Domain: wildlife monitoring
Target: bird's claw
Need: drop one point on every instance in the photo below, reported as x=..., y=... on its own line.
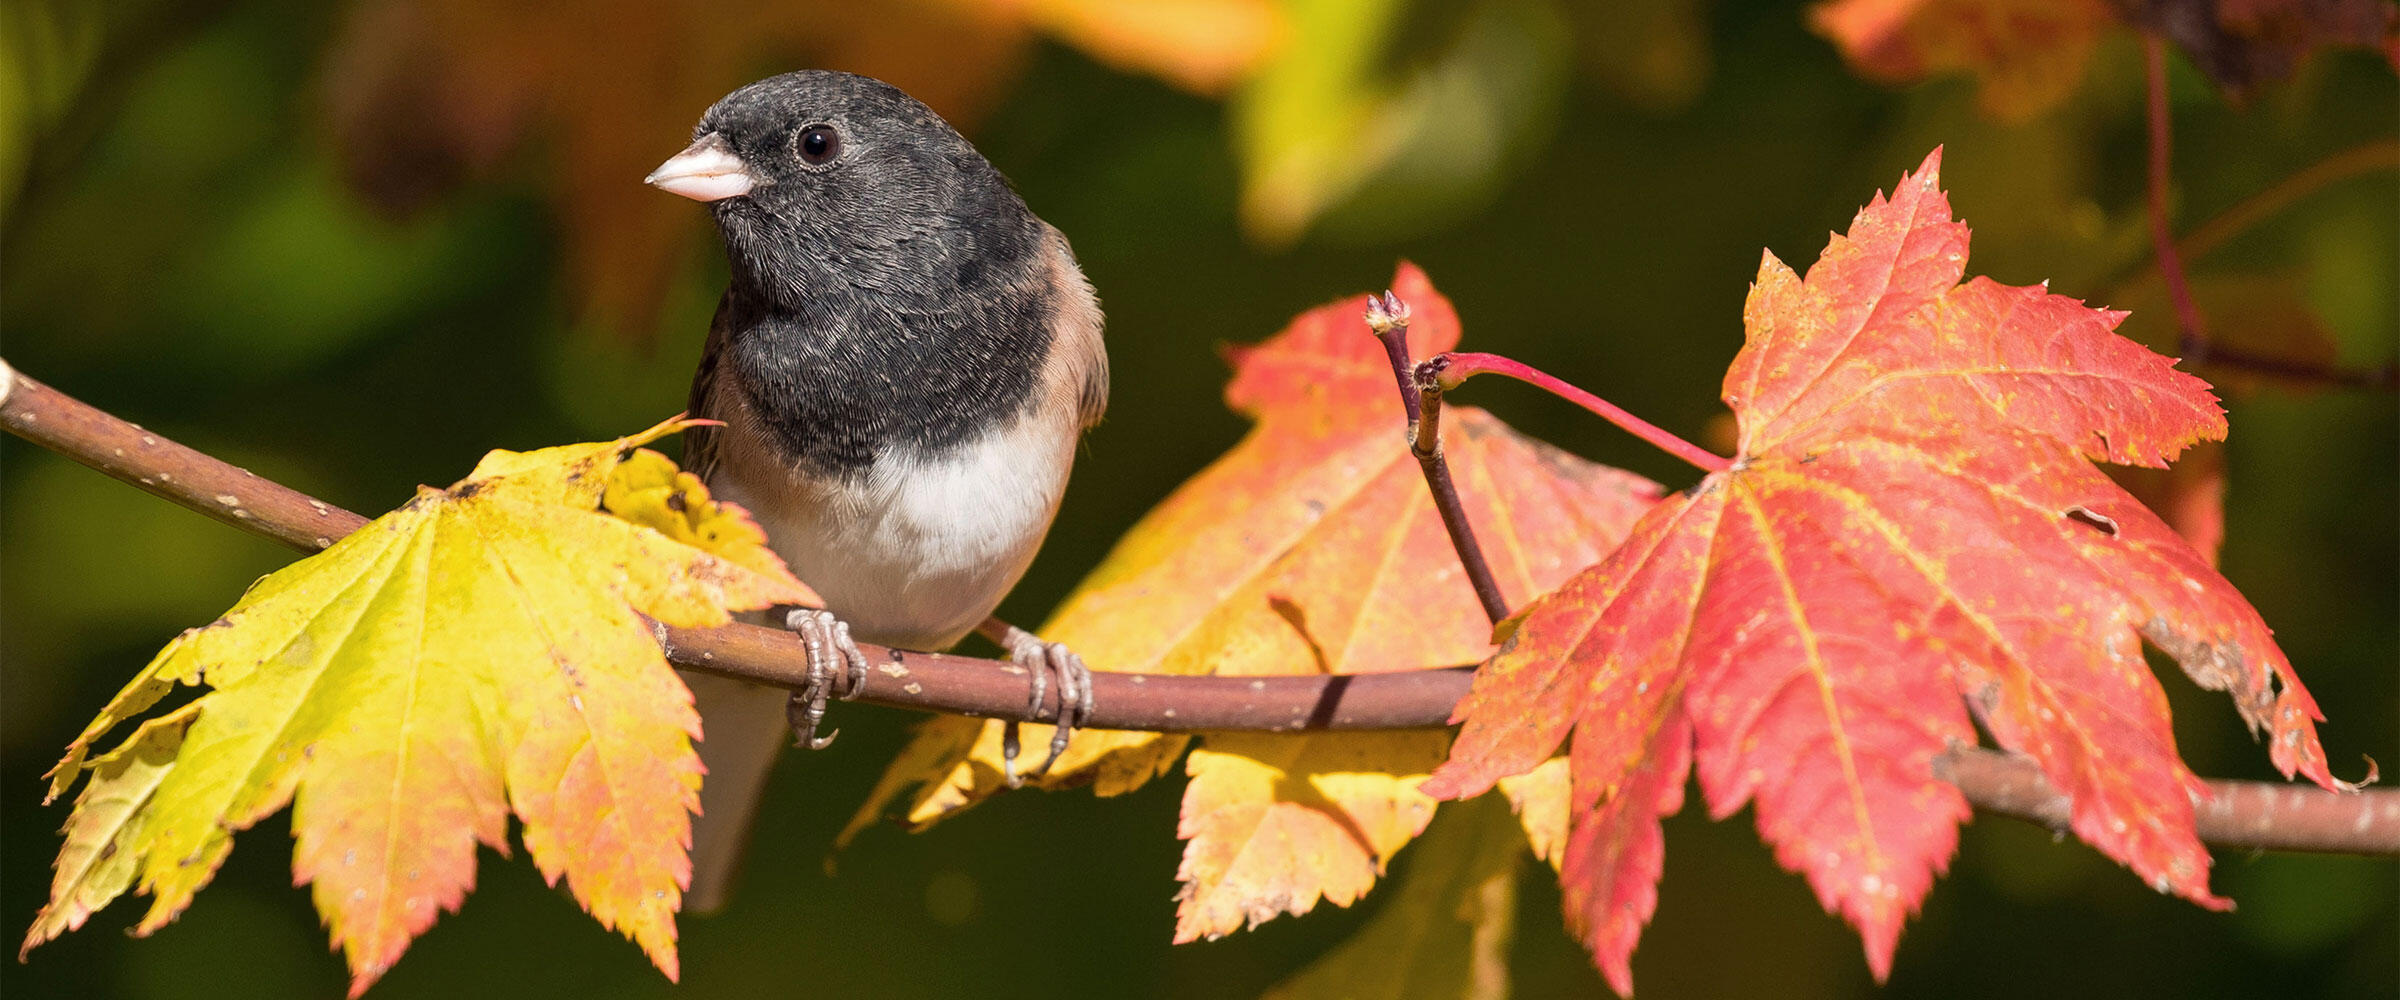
x=827, y=641
x=1042, y=660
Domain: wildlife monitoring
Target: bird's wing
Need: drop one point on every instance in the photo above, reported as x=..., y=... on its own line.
x=744, y=723
x=700, y=443
x=1076, y=338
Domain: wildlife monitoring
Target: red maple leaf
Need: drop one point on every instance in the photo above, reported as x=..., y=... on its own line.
x=1912, y=531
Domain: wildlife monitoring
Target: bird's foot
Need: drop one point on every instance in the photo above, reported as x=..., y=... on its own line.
x=830, y=650
x=1043, y=660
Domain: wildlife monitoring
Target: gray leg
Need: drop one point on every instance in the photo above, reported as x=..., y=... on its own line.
x=1041, y=660
x=829, y=646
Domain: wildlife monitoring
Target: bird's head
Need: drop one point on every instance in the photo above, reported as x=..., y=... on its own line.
x=819, y=178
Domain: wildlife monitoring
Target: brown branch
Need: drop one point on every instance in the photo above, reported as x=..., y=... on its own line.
x=959, y=685
x=2238, y=813
x=2370, y=157
x=2270, y=815
x=126, y=452
x=1387, y=317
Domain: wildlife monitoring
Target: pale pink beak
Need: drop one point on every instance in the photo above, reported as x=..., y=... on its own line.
x=706, y=170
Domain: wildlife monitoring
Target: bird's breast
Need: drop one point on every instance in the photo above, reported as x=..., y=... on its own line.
x=917, y=548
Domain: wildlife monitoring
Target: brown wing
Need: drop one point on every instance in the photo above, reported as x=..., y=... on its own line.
x=700, y=443
x=1076, y=341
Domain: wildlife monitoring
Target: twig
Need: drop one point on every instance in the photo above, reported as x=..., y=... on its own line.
x=1388, y=318
x=2222, y=356
x=2192, y=336
x=2193, y=327
x=2167, y=261
x=2238, y=813
x=2366, y=158
x=1446, y=371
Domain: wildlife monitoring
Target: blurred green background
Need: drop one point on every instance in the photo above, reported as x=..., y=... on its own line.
x=353, y=246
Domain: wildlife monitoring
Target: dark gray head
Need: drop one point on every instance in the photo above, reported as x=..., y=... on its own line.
x=823, y=182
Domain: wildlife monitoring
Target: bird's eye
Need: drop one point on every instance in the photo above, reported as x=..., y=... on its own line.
x=819, y=144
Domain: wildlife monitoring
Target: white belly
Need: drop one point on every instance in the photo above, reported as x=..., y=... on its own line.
x=917, y=551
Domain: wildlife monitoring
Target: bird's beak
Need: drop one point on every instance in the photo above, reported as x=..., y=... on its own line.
x=706, y=170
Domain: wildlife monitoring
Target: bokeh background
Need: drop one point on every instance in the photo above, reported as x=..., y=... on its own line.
x=352, y=246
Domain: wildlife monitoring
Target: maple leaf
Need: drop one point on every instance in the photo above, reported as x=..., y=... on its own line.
x=2028, y=55
x=482, y=651
x=2031, y=54
x=1311, y=547
x=1443, y=931
x=1912, y=530
x=1540, y=798
x=1272, y=824
x=2256, y=316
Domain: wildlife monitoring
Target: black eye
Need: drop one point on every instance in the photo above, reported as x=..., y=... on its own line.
x=819, y=144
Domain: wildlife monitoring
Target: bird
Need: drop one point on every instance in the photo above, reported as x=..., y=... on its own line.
x=902, y=366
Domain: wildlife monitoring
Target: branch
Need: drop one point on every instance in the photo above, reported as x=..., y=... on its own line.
x=958, y=685
x=2193, y=341
x=2248, y=814
x=2161, y=177
x=2269, y=815
x=2373, y=156
x=1388, y=318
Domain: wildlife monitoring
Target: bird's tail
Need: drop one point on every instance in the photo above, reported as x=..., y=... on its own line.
x=743, y=729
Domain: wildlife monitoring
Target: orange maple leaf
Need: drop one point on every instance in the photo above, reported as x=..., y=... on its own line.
x=1912, y=531
x=1311, y=547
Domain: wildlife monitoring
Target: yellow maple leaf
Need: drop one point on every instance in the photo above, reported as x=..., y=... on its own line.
x=483, y=650
x=1443, y=931
x=1540, y=798
x=1274, y=823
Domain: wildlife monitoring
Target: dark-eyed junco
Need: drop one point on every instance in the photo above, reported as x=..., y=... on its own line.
x=904, y=364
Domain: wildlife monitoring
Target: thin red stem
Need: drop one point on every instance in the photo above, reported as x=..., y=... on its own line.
x=1455, y=368
x=2382, y=154
x=2194, y=341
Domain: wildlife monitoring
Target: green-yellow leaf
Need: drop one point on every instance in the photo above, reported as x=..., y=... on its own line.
x=1329, y=130
x=482, y=651
x=96, y=864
